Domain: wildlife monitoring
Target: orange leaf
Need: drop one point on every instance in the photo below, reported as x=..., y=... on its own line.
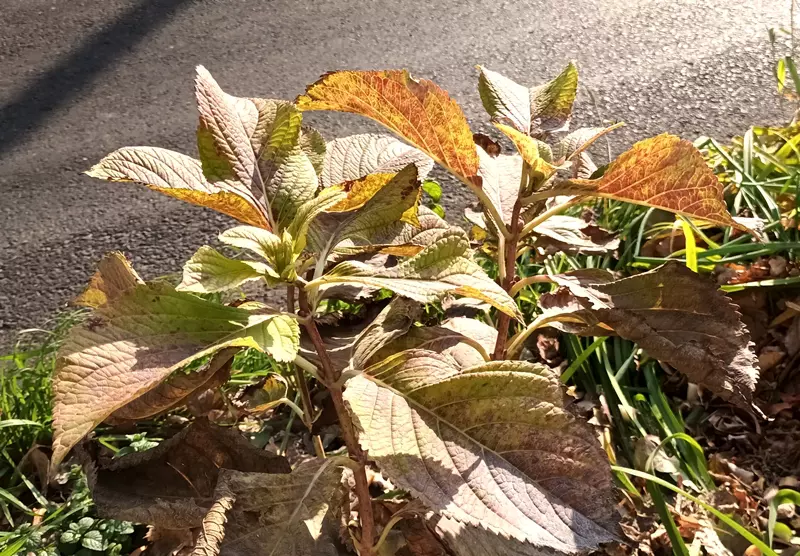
x=417, y=110
x=665, y=172
x=528, y=147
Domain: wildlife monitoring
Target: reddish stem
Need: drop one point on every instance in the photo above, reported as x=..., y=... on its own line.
x=330, y=377
x=504, y=321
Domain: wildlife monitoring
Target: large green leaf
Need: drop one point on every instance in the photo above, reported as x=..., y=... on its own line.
x=210, y=271
x=441, y=268
x=545, y=108
x=488, y=446
x=675, y=315
x=136, y=340
x=180, y=176
x=267, y=514
x=356, y=156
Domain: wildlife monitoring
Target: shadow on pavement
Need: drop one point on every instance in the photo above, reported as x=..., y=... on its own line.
x=70, y=75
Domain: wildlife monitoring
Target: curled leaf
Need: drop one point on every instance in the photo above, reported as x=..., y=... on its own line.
x=574, y=235
x=210, y=271
x=677, y=317
x=173, y=484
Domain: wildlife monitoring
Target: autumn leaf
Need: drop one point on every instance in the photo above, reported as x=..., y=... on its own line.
x=490, y=447
x=441, y=268
x=140, y=337
x=417, y=110
x=173, y=485
x=533, y=152
x=269, y=514
x=114, y=276
x=177, y=390
x=664, y=172
x=677, y=317
x=546, y=108
x=571, y=235
x=393, y=321
x=180, y=176
x=351, y=158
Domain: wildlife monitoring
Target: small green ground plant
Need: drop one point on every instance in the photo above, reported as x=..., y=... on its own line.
x=445, y=408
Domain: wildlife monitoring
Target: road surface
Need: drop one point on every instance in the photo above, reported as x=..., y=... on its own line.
x=80, y=78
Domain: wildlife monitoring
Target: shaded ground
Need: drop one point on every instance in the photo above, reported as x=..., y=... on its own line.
x=81, y=78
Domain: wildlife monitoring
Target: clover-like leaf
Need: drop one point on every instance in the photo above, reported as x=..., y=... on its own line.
x=545, y=108
x=441, y=268
x=488, y=446
x=417, y=110
x=180, y=176
x=173, y=485
x=134, y=342
x=665, y=172
x=356, y=156
x=210, y=271
x=265, y=514
x=677, y=317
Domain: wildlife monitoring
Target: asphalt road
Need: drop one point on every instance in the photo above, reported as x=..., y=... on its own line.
x=79, y=78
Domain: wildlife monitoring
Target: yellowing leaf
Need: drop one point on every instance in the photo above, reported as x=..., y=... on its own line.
x=176, y=390
x=210, y=271
x=309, y=211
x=114, y=276
x=179, y=176
x=361, y=190
x=551, y=103
x=396, y=199
x=441, y=268
x=677, y=317
x=134, y=342
x=356, y=156
x=528, y=147
x=663, y=172
x=417, y=110
x=542, y=109
x=488, y=446
x=279, y=252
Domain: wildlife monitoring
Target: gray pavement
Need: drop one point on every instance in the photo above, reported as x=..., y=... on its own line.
x=79, y=78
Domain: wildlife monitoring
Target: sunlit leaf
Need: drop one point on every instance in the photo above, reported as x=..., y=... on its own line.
x=488, y=446
x=278, y=251
x=529, y=148
x=180, y=176
x=417, y=110
x=308, y=211
x=665, y=172
x=545, y=108
x=393, y=321
x=210, y=271
x=356, y=156
x=501, y=182
x=579, y=140
x=176, y=390
x=442, y=268
x=173, y=485
x=264, y=514
x=114, y=276
x=388, y=201
x=265, y=395
x=677, y=317
x=574, y=235
x=134, y=342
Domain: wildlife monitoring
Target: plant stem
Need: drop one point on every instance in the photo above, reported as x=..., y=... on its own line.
x=330, y=377
x=509, y=257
